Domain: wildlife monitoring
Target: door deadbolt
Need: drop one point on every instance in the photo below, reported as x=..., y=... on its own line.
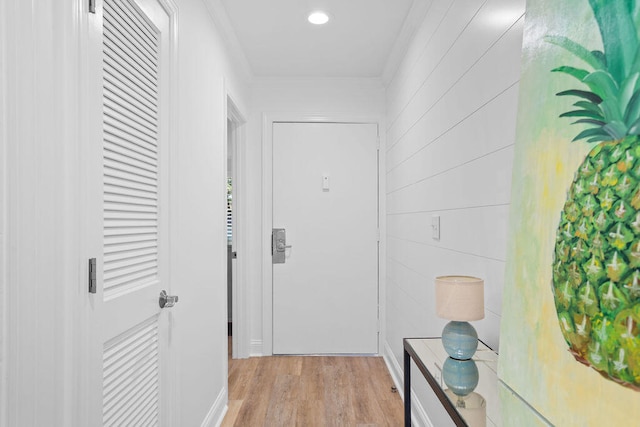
x=279, y=245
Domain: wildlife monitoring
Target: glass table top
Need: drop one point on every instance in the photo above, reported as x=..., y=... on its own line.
x=489, y=402
x=479, y=405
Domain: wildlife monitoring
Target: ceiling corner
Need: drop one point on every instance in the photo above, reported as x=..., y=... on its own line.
x=412, y=22
x=220, y=19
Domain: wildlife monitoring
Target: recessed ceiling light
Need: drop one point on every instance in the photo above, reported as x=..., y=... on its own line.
x=318, y=18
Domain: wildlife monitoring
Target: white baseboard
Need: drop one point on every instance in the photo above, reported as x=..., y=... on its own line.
x=218, y=410
x=419, y=417
x=255, y=349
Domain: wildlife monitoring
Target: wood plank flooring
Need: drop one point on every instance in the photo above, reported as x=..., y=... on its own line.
x=310, y=391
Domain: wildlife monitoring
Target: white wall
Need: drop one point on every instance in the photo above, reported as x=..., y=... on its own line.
x=46, y=294
x=40, y=129
x=199, y=202
x=336, y=97
x=451, y=109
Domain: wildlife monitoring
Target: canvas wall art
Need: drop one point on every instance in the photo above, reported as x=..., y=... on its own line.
x=570, y=342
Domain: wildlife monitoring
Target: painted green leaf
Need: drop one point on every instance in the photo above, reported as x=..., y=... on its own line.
x=632, y=112
x=599, y=55
x=632, y=7
x=634, y=129
x=589, y=122
x=635, y=67
x=611, y=110
x=616, y=129
x=619, y=36
x=581, y=94
x=578, y=50
x=596, y=135
x=627, y=90
x=602, y=84
x=589, y=106
x=572, y=71
x=582, y=113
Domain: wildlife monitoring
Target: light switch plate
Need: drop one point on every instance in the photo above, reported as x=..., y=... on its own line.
x=435, y=227
x=325, y=182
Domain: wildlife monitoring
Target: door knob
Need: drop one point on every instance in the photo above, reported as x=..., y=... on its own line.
x=167, y=300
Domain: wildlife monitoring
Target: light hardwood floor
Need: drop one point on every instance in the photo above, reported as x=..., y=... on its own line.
x=311, y=391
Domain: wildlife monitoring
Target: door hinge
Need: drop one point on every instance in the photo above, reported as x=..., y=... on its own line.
x=92, y=6
x=92, y=276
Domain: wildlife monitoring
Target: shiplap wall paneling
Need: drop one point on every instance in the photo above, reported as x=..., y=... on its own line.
x=451, y=116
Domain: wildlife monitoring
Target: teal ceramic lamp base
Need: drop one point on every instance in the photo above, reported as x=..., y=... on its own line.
x=461, y=376
x=460, y=340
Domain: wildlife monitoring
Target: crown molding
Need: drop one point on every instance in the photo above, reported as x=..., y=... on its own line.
x=219, y=16
x=412, y=22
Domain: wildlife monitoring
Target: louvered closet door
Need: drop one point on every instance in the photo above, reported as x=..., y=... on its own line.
x=135, y=222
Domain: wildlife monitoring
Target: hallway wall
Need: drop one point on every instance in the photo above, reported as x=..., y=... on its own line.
x=199, y=239
x=451, y=116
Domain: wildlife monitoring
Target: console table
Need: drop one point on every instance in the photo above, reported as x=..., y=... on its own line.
x=429, y=356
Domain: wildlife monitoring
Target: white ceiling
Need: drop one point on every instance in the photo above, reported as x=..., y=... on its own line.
x=278, y=41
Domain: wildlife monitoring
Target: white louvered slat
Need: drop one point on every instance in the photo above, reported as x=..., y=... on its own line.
x=130, y=374
x=135, y=69
x=118, y=181
x=134, y=38
x=121, y=77
x=130, y=109
x=124, y=171
x=131, y=204
x=128, y=125
x=129, y=42
x=118, y=19
x=131, y=103
x=142, y=24
x=118, y=207
x=128, y=175
x=130, y=147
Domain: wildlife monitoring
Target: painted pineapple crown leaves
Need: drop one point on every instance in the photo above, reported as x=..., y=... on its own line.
x=611, y=106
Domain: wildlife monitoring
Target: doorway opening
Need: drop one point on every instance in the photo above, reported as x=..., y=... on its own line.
x=234, y=232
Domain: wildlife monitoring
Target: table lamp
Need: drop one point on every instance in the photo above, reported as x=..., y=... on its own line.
x=460, y=299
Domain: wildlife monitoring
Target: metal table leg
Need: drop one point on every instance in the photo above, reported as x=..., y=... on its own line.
x=407, y=389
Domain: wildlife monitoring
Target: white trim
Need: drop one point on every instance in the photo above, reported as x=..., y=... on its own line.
x=217, y=411
x=410, y=26
x=382, y=234
x=221, y=21
x=4, y=25
x=255, y=349
x=419, y=416
x=268, y=118
x=88, y=401
x=171, y=365
x=240, y=314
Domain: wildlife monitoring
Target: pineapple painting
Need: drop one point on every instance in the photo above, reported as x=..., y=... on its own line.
x=596, y=265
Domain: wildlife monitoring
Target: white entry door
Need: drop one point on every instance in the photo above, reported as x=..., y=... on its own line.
x=135, y=261
x=325, y=195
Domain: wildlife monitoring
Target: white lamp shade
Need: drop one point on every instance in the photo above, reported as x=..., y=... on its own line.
x=460, y=298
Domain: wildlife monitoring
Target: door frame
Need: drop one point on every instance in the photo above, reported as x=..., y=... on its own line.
x=268, y=119
x=3, y=217
x=240, y=349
